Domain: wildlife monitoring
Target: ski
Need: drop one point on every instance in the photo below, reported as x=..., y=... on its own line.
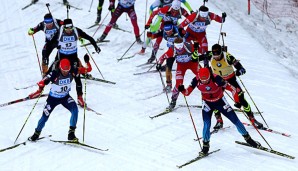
x=162, y=113
x=118, y=28
x=28, y=5
x=144, y=64
x=268, y=130
x=148, y=72
x=79, y=144
x=25, y=87
x=96, y=24
x=91, y=110
x=98, y=79
x=71, y=6
x=97, y=41
x=267, y=150
x=214, y=131
x=23, y=143
x=128, y=57
x=155, y=95
x=197, y=158
x=200, y=106
x=20, y=100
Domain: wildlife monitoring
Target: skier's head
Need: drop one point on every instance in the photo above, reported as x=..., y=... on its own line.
x=68, y=26
x=48, y=20
x=203, y=11
x=179, y=45
x=64, y=66
x=176, y=4
x=204, y=75
x=216, y=51
x=168, y=28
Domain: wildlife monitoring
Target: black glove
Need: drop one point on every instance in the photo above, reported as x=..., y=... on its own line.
x=147, y=26
x=223, y=16
x=237, y=105
x=240, y=71
x=181, y=32
x=158, y=67
x=97, y=49
x=196, y=45
x=86, y=58
x=181, y=88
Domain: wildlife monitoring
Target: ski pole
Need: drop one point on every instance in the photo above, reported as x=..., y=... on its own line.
x=94, y=62
x=251, y=123
x=84, y=120
x=220, y=30
x=47, y=4
x=28, y=116
x=90, y=6
x=100, y=24
x=253, y=101
x=37, y=55
x=67, y=10
x=194, y=126
x=205, y=1
x=145, y=17
x=162, y=82
x=129, y=48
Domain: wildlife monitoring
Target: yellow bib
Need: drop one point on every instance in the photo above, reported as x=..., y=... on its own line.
x=222, y=67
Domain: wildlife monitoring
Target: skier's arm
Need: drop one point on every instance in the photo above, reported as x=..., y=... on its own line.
x=84, y=35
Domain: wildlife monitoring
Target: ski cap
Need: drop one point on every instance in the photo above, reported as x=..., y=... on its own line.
x=68, y=23
x=176, y=5
x=179, y=45
x=203, y=11
x=204, y=75
x=64, y=65
x=48, y=18
x=216, y=50
x=168, y=27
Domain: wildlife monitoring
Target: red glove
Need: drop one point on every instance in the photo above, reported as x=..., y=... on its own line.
x=41, y=84
x=35, y=94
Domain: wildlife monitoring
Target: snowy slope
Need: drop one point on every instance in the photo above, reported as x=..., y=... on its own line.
x=135, y=141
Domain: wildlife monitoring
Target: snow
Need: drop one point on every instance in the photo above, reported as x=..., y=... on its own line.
x=136, y=142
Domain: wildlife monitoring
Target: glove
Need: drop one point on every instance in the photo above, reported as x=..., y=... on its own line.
x=196, y=45
x=97, y=49
x=147, y=26
x=158, y=67
x=111, y=7
x=223, y=16
x=41, y=84
x=35, y=94
x=30, y=31
x=181, y=88
x=195, y=56
x=237, y=105
x=86, y=58
x=181, y=32
x=240, y=71
x=82, y=41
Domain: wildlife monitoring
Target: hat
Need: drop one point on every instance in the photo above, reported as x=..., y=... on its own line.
x=48, y=18
x=68, y=23
x=64, y=65
x=204, y=74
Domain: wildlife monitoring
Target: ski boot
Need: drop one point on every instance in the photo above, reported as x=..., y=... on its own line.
x=251, y=142
x=34, y=1
x=98, y=19
x=115, y=26
x=255, y=122
x=139, y=41
x=102, y=37
x=152, y=58
x=35, y=136
x=219, y=124
x=205, y=149
x=171, y=106
x=65, y=2
x=71, y=134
